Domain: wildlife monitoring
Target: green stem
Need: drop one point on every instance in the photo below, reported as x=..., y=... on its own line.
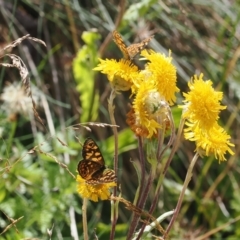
x=172, y=137
x=11, y=136
x=180, y=199
x=175, y=145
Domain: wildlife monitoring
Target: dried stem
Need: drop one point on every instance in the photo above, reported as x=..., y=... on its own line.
x=164, y=164
x=142, y=193
x=180, y=199
x=115, y=133
x=155, y=200
x=142, y=165
x=142, y=201
x=84, y=218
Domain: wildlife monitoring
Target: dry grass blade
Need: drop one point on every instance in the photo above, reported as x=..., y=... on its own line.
x=138, y=211
x=19, y=40
x=97, y=124
x=217, y=229
x=37, y=149
x=37, y=40
x=13, y=222
x=20, y=65
x=49, y=231
x=64, y=144
x=102, y=124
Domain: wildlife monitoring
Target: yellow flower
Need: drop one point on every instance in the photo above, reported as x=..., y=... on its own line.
x=211, y=141
x=120, y=74
x=202, y=103
x=163, y=73
x=149, y=109
x=137, y=129
x=94, y=192
x=201, y=110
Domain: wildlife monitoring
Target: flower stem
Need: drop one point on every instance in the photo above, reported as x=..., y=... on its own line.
x=84, y=218
x=142, y=200
x=143, y=192
x=143, y=168
x=180, y=199
x=115, y=133
x=155, y=199
x=165, y=164
x=170, y=142
x=175, y=145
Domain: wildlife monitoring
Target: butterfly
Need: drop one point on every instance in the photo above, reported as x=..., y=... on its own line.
x=132, y=50
x=92, y=167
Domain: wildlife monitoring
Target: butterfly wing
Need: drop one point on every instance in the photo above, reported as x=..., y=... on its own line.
x=134, y=49
x=105, y=176
x=87, y=169
x=117, y=38
x=92, y=167
x=92, y=152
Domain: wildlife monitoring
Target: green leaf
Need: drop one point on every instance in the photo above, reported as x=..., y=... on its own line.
x=126, y=141
x=83, y=64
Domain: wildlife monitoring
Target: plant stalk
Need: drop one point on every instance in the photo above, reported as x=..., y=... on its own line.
x=180, y=199
x=115, y=134
x=84, y=218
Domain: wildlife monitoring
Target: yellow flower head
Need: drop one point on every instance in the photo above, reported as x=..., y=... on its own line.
x=201, y=110
x=211, y=141
x=163, y=73
x=120, y=74
x=137, y=129
x=94, y=192
x=149, y=109
x=202, y=103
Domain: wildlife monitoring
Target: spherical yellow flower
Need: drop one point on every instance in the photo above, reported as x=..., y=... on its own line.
x=149, y=108
x=120, y=74
x=143, y=76
x=202, y=103
x=94, y=192
x=201, y=111
x=163, y=74
x=211, y=141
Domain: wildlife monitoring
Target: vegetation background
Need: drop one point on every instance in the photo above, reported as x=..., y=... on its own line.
x=203, y=37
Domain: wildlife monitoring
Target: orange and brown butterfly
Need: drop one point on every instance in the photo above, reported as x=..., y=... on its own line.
x=132, y=50
x=92, y=167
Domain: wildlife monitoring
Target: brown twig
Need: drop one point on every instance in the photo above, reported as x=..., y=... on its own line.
x=115, y=133
x=117, y=22
x=13, y=222
x=139, y=212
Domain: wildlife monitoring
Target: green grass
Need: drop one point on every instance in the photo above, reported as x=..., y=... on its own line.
x=202, y=36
